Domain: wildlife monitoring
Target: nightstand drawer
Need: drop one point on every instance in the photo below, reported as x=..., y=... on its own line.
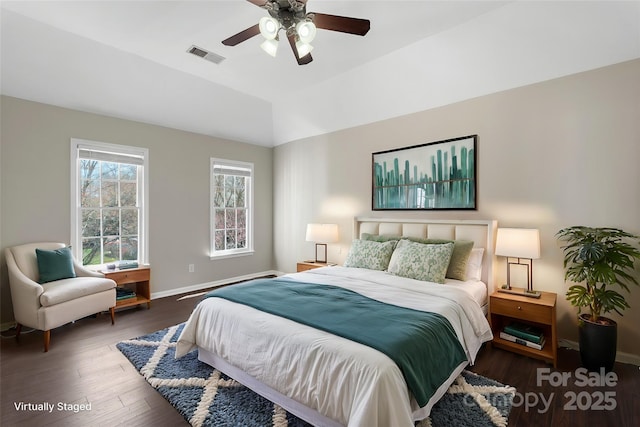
x=310, y=265
x=132, y=276
x=521, y=310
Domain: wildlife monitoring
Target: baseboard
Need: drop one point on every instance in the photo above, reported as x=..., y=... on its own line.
x=621, y=356
x=215, y=284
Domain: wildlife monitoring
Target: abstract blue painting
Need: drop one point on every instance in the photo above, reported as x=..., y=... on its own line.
x=436, y=175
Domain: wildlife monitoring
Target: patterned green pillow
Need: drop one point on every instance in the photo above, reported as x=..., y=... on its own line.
x=369, y=254
x=421, y=261
x=459, y=258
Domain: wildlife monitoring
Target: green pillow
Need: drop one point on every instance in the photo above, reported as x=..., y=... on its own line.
x=370, y=254
x=55, y=265
x=379, y=237
x=461, y=250
x=426, y=262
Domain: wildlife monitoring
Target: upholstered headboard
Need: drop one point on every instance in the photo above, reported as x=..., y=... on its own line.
x=482, y=232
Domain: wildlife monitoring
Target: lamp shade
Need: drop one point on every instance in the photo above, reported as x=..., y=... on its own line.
x=322, y=233
x=269, y=27
x=306, y=31
x=303, y=48
x=270, y=46
x=518, y=243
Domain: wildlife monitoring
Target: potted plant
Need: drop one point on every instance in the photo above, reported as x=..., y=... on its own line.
x=598, y=261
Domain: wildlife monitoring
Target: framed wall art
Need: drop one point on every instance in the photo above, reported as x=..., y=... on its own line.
x=432, y=176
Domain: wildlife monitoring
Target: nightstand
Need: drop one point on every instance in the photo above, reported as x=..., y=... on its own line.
x=540, y=312
x=137, y=279
x=310, y=265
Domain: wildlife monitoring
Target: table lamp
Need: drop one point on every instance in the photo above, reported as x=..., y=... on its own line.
x=522, y=244
x=322, y=234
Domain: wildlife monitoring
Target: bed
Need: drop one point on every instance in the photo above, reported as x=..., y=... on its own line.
x=336, y=379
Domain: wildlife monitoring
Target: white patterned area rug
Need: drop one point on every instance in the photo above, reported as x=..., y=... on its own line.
x=206, y=397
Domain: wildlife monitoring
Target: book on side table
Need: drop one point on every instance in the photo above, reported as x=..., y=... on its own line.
x=525, y=331
x=508, y=337
x=123, y=293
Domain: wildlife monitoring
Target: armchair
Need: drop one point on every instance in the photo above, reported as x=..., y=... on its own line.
x=49, y=305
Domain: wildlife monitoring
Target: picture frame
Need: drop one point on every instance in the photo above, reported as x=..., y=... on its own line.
x=440, y=175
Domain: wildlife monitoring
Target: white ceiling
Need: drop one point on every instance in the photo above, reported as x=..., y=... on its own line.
x=128, y=59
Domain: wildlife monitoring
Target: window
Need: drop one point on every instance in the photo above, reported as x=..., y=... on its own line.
x=109, y=199
x=231, y=208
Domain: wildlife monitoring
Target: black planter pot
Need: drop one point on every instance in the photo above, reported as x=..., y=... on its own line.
x=598, y=343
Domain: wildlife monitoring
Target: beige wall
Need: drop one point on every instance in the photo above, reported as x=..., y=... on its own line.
x=559, y=153
x=36, y=189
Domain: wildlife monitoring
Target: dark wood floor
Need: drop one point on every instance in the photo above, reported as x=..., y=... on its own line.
x=572, y=402
x=84, y=366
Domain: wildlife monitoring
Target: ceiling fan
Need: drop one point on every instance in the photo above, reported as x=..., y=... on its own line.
x=300, y=27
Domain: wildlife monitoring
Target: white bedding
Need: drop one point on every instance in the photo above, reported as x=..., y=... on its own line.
x=348, y=382
x=476, y=289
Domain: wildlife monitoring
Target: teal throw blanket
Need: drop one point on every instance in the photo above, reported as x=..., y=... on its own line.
x=423, y=345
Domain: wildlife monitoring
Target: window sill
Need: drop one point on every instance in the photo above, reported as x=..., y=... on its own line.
x=230, y=255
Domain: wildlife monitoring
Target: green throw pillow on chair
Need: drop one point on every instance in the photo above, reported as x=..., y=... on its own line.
x=55, y=265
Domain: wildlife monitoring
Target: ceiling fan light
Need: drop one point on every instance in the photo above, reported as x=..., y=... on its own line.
x=269, y=27
x=303, y=48
x=306, y=31
x=270, y=46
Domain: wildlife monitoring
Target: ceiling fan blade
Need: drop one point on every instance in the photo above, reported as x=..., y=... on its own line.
x=343, y=24
x=259, y=3
x=301, y=61
x=242, y=36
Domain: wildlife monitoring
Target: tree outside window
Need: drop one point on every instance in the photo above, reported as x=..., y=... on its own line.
x=108, y=202
x=108, y=220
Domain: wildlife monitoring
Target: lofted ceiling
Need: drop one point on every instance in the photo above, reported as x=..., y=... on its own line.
x=129, y=59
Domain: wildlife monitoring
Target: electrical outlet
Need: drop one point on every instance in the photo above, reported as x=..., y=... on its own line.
x=192, y=268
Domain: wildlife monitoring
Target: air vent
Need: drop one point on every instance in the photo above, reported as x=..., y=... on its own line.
x=205, y=54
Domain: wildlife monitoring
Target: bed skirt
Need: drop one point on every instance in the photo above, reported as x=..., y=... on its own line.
x=296, y=408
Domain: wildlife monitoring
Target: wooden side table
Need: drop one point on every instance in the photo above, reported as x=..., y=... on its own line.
x=310, y=265
x=138, y=279
x=505, y=308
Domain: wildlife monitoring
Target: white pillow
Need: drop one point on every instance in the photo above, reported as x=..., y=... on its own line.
x=474, y=264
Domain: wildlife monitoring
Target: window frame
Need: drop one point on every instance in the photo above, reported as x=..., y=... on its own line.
x=143, y=195
x=249, y=197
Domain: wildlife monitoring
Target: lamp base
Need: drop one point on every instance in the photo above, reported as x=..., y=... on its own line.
x=520, y=291
x=321, y=256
